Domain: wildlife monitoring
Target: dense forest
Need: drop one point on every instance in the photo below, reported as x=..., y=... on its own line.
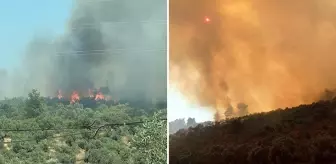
x=34, y=131
x=305, y=134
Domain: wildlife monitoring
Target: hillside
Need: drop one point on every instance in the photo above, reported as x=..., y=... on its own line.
x=34, y=131
x=299, y=135
x=178, y=124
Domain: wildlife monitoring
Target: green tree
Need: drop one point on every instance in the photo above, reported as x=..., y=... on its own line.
x=34, y=105
x=111, y=145
x=150, y=141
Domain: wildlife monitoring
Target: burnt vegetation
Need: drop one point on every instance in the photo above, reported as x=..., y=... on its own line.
x=298, y=135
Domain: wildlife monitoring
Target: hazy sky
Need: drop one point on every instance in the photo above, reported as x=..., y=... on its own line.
x=21, y=19
x=180, y=107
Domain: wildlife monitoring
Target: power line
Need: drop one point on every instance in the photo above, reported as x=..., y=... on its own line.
x=79, y=128
x=126, y=22
x=101, y=52
x=104, y=52
x=75, y=134
x=121, y=124
x=49, y=129
x=29, y=140
x=31, y=130
x=114, y=50
x=113, y=23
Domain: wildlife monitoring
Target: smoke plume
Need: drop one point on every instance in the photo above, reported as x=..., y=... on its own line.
x=116, y=44
x=265, y=53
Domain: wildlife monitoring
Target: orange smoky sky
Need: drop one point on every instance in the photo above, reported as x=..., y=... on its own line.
x=267, y=54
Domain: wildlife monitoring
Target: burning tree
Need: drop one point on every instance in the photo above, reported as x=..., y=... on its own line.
x=74, y=97
x=93, y=94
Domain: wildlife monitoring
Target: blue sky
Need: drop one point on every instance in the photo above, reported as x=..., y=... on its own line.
x=22, y=19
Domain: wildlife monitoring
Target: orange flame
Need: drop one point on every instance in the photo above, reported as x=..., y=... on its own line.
x=74, y=97
x=99, y=96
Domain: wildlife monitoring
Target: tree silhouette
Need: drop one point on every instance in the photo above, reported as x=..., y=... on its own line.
x=191, y=122
x=229, y=112
x=242, y=109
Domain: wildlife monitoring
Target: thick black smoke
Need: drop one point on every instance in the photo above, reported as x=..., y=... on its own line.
x=116, y=44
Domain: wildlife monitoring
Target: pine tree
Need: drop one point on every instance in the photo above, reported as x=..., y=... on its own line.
x=242, y=109
x=191, y=122
x=229, y=112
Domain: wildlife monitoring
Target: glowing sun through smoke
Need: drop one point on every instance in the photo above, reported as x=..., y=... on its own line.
x=207, y=20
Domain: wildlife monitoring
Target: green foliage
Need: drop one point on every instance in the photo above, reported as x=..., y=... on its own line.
x=111, y=145
x=34, y=104
x=151, y=139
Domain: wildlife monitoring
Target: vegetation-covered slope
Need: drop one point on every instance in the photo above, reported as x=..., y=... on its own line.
x=303, y=134
x=177, y=124
x=69, y=135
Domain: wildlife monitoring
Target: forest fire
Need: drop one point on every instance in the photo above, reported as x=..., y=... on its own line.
x=267, y=54
x=75, y=96
x=93, y=98
x=99, y=96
